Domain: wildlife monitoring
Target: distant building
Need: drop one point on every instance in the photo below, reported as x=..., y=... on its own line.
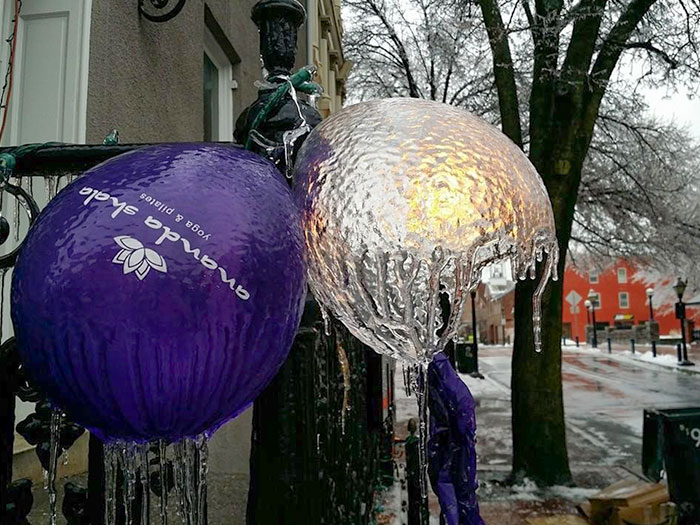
x=620, y=298
x=494, y=308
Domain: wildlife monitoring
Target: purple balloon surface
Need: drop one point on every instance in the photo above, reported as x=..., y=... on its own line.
x=155, y=297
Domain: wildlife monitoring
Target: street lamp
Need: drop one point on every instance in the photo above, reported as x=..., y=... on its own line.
x=679, y=288
x=650, y=294
x=592, y=296
x=587, y=304
x=475, y=345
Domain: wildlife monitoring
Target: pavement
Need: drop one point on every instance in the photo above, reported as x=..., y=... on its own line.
x=604, y=399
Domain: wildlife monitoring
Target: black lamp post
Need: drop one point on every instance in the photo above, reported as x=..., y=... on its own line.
x=587, y=304
x=592, y=297
x=650, y=294
x=679, y=288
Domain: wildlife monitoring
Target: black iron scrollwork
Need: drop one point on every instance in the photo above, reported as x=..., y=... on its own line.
x=36, y=429
x=161, y=10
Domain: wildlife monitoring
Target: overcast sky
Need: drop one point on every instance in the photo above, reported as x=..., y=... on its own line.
x=676, y=106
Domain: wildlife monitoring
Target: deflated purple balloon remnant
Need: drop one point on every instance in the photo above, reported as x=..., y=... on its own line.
x=452, y=444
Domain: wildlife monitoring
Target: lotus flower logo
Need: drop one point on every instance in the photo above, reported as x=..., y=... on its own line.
x=134, y=257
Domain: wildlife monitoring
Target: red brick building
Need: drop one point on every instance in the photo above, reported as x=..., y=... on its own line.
x=621, y=296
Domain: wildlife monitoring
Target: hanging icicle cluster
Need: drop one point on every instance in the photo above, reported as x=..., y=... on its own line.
x=129, y=468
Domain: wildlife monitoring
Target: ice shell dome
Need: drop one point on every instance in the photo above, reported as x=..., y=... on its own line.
x=390, y=183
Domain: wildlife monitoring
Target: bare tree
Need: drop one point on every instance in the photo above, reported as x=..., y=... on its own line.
x=558, y=73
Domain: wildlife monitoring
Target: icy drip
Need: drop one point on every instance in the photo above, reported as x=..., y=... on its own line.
x=326, y=321
x=54, y=450
x=419, y=384
x=406, y=370
x=50, y=185
x=202, y=471
x=163, y=469
x=144, y=472
x=15, y=211
x=111, y=468
x=529, y=266
x=191, y=467
x=3, y=273
x=179, y=479
x=345, y=370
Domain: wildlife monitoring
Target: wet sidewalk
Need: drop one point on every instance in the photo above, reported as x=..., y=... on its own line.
x=604, y=401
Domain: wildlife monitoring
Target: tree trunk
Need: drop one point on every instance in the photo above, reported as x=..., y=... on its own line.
x=539, y=431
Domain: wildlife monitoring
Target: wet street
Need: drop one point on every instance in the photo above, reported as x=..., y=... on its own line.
x=604, y=400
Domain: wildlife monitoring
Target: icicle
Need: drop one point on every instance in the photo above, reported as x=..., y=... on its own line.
x=50, y=184
x=421, y=389
x=178, y=464
x=202, y=457
x=163, y=464
x=128, y=458
x=111, y=467
x=190, y=489
x=3, y=272
x=345, y=370
x=15, y=211
x=406, y=379
x=537, y=303
x=145, y=485
x=326, y=321
x=54, y=450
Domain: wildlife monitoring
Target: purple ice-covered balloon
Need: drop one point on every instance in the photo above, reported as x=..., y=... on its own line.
x=156, y=296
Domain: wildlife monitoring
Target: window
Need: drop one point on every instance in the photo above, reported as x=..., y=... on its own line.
x=218, y=100
x=622, y=275
x=595, y=300
x=593, y=276
x=623, y=300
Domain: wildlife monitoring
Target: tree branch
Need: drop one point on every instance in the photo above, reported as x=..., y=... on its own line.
x=503, y=71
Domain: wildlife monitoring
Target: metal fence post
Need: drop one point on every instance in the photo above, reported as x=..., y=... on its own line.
x=653, y=348
x=632, y=343
x=609, y=345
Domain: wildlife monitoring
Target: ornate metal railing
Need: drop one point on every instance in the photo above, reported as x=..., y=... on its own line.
x=36, y=178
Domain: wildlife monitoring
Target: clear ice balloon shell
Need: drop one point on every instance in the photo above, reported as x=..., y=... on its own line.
x=403, y=199
x=156, y=296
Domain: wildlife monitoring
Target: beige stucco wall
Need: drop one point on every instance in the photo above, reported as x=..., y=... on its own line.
x=145, y=79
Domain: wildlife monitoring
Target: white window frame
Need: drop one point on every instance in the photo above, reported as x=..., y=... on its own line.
x=223, y=126
x=598, y=300
x=622, y=275
x=593, y=277
x=626, y=295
